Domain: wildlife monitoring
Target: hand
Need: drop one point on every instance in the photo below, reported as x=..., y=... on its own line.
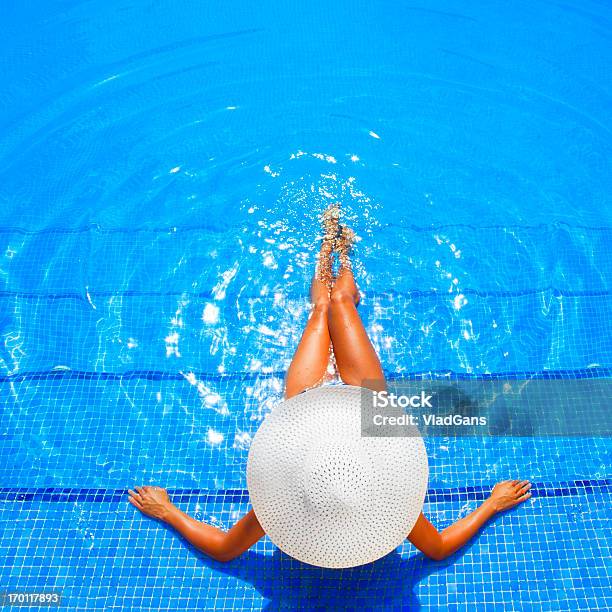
x=508, y=494
x=152, y=501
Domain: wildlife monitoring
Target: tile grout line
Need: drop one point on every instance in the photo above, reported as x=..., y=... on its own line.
x=65, y=494
x=409, y=293
x=434, y=375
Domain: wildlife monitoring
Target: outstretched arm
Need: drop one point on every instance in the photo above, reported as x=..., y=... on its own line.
x=439, y=545
x=220, y=545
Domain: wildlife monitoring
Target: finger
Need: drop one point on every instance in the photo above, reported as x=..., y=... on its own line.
x=134, y=503
x=523, y=489
x=133, y=494
x=141, y=490
x=522, y=498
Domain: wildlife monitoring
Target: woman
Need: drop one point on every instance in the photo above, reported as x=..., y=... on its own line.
x=334, y=335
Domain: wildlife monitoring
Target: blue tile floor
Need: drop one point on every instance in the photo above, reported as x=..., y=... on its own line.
x=552, y=553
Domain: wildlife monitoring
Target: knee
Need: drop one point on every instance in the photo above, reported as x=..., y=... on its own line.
x=320, y=307
x=341, y=298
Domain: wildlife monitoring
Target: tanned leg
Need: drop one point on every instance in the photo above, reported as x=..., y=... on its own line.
x=309, y=365
x=356, y=359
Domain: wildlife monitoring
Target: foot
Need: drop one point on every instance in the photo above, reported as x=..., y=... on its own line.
x=329, y=221
x=344, y=246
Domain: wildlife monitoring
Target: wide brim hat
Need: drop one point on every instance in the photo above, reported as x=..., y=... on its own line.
x=326, y=494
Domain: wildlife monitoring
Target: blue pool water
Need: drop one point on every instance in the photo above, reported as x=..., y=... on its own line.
x=163, y=166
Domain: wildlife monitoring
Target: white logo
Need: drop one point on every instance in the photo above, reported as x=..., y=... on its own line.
x=383, y=399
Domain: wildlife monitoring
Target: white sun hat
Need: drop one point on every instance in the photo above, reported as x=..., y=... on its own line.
x=324, y=493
